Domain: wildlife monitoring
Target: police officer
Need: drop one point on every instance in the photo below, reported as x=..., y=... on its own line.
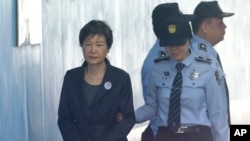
x=209, y=30
x=160, y=13
x=200, y=112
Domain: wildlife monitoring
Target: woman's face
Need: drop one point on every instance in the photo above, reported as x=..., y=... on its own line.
x=178, y=53
x=95, y=49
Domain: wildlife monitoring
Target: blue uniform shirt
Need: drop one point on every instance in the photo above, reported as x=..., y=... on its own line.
x=203, y=47
x=146, y=67
x=148, y=64
x=202, y=99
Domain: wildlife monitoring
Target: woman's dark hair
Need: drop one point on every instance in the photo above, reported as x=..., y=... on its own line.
x=96, y=27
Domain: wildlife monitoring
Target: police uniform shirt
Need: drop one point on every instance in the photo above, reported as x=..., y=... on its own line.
x=148, y=64
x=201, y=46
x=146, y=67
x=202, y=98
x=204, y=48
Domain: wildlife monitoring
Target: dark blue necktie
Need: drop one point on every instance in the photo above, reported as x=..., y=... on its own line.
x=227, y=92
x=175, y=96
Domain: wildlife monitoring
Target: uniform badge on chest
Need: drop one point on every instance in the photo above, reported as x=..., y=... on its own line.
x=194, y=74
x=166, y=75
x=218, y=77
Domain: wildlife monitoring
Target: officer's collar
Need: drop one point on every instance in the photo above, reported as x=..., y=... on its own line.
x=201, y=40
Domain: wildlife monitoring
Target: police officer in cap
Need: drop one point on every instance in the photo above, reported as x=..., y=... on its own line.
x=209, y=30
x=160, y=13
x=185, y=92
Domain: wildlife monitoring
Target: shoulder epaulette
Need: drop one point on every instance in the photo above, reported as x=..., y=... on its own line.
x=162, y=56
x=202, y=47
x=203, y=59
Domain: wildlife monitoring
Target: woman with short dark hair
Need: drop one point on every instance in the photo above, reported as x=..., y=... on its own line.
x=92, y=95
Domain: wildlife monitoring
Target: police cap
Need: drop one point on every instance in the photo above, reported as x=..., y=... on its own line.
x=174, y=32
x=164, y=11
x=209, y=9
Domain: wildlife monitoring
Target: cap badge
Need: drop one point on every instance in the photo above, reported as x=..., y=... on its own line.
x=172, y=28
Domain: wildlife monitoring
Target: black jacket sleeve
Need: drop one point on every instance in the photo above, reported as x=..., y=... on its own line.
x=122, y=129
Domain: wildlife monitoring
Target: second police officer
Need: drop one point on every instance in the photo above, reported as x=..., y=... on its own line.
x=186, y=92
x=209, y=30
